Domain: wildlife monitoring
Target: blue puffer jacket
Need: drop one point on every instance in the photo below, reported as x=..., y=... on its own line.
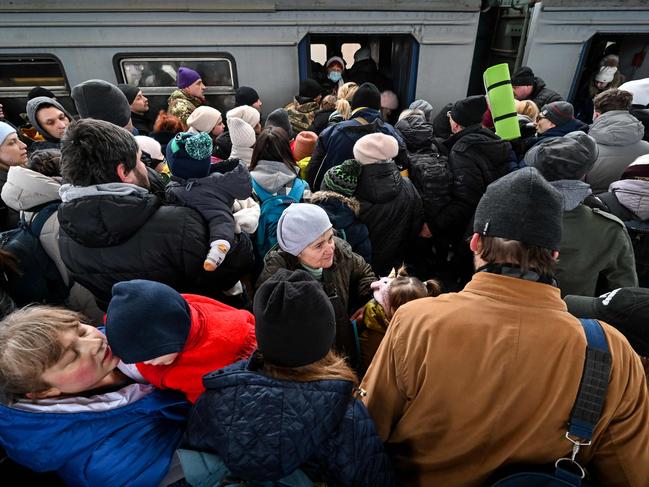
x=130, y=445
x=336, y=143
x=265, y=428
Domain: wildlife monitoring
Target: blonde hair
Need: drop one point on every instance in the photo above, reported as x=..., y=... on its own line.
x=29, y=344
x=405, y=288
x=345, y=94
x=331, y=367
x=528, y=108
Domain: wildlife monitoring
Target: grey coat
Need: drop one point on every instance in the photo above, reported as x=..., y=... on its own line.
x=619, y=139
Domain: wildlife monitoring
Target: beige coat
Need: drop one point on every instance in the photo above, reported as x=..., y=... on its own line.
x=26, y=189
x=467, y=382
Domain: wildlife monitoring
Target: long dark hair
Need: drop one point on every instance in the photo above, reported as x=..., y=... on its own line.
x=273, y=145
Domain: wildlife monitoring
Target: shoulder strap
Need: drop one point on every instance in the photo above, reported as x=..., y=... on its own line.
x=594, y=383
x=297, y=190
x=261, y=192
x=41, y=217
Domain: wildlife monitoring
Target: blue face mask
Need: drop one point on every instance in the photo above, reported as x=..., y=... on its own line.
x=335, y=76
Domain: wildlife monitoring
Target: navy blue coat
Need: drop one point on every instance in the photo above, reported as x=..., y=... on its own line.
x=336, y=143
x=264, y=428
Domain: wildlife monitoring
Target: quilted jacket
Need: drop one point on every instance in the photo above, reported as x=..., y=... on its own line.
x=265, y=428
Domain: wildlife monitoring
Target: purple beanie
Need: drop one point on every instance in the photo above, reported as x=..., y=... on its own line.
x=187, y=77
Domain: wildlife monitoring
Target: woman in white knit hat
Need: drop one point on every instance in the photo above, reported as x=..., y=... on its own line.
x=606, y=76
x=306, y=241
x=243, y=126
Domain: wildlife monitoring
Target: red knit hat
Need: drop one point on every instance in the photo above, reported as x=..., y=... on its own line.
x=304, y=144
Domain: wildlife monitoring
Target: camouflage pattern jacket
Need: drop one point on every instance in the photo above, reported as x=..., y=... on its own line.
x=181, y=105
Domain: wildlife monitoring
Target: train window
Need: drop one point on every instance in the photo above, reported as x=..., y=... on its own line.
x=348, y=50
x=319, y=53
x=18, y=73
x=158, y=72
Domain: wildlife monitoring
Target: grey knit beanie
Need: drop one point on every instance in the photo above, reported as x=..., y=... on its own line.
x=567, y=157
x=521, y=206
x=300, y=225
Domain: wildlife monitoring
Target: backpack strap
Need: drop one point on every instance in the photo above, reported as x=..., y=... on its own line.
x=594, y=383
x=589, y=403
x=261, y=192
x=38, y=221
x=297, y=190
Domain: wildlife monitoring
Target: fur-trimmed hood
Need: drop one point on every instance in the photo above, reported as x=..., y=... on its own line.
x=323, y=196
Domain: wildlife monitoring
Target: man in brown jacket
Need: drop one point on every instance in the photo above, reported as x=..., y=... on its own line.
x=467, y=383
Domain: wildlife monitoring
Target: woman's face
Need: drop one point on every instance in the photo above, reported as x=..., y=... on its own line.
x=601, y=85
x=320, y=254
x=85, y=364
x=13, y=152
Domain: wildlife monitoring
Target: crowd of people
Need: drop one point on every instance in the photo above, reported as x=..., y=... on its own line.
x=339, y=293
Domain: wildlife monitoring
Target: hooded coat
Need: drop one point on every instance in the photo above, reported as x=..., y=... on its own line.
x=477, y=157
x=26, y=190
x=619, y=139
x=343, y=214
x=33, y=106
x=265, y=428
x=558, y=131
x=275, y=177
x=428, y=171
x=542, y=95
x=596, y=254
x=392, y=210
x=117, y=232
x=301, y=113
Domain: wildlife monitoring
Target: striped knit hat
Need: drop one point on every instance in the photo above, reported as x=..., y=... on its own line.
x=342, y=179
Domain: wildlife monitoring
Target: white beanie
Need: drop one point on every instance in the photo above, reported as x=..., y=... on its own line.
x=241, y=133
x=300, y=225
x=246, y=113
x=150, y=146
x=375, y=147
x=204, y=119
x=5, y=131
x=606, y=74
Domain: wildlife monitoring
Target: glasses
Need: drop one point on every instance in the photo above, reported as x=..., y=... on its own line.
x=539, y=117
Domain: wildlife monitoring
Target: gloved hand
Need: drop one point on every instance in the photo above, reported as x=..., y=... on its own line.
x=216, y=255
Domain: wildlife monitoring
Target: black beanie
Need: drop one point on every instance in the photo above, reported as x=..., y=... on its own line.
x=294, y=319
x=524, y=76
x=279, y=118
x=469, y=111
x=521, y=206
x=367, y=95
x=130, y=92
x=569, y=157
x=37, y=91
x=245, y=96
x=102, y=100
x=310, y=88
x=145, y=320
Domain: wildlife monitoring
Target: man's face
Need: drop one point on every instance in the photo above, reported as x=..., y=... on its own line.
x=53, y=121
x=257, y=105
x=543, y=124
x=522, y=92
x=140, y=104
x=196, y=89
x=138, y=175
x=2, y=113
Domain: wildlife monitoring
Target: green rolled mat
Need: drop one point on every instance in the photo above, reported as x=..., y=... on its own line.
x=498, y=85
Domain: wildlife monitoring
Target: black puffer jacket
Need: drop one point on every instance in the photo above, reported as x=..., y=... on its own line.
x=428, y=170
x=392, y=210
x=105, y=239
x=542, y=95
x=477, y=157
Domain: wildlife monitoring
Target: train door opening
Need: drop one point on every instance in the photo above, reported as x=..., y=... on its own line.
x=626, y=53
x=388, y=61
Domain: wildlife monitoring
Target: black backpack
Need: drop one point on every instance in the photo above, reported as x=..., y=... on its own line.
x=38, y=280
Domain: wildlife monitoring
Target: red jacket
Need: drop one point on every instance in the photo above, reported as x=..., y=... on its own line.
x=219, y=335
